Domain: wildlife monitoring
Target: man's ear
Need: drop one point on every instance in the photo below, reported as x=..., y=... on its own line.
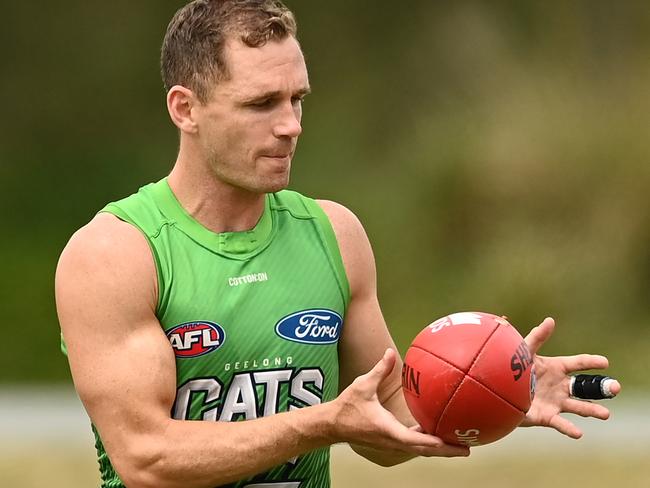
x=180, y=102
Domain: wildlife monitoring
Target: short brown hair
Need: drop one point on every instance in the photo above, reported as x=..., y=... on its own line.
x=192, y=53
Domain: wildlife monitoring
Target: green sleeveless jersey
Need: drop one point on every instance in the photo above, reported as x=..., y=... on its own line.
x=253, y=317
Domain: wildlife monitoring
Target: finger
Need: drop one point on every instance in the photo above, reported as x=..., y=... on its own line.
x=444, y=450
x=540, y=334
x=586, y=409
x=614, y=387
x=428, y=445
x=565, y=427
x=582, y=362
x=593, y=387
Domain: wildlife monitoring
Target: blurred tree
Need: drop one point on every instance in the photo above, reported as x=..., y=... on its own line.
x=497, y=153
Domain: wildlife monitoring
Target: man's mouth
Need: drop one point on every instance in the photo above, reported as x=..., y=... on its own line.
x=278, y=155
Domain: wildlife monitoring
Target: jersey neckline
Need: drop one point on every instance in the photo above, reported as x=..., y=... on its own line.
x=239, y=245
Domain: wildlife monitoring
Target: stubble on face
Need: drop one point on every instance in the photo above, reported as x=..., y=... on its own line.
x=250, y=126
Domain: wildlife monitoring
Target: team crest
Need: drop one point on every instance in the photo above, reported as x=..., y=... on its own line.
x=193, y=339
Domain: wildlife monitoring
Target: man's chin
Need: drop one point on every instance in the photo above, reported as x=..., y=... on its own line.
x=276, y=180
x=277, y=185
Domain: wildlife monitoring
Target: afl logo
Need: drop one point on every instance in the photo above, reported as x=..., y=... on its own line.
x=193, y=339
x=317, y=326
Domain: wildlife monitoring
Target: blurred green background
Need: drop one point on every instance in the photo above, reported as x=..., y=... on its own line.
x=497, y=152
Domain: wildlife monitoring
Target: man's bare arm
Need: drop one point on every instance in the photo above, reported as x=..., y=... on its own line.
x=365, y=335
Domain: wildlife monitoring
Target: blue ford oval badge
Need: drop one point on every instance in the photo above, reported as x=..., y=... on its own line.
x=315, y=326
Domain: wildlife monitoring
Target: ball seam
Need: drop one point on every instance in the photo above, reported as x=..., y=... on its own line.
x=444, y=411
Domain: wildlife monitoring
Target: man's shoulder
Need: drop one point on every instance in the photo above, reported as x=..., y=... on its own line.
x=106, y=237
x=354, y=246
x=339, y=215
x=106, y=253
x=344, y=222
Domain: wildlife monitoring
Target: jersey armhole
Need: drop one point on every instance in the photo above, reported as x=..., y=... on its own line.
x=332, y=244
x=118, y=212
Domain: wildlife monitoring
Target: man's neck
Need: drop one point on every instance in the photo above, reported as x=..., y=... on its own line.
x=216, y=205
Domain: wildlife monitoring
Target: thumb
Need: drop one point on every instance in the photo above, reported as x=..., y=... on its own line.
x=382, y=369
x=539, y=335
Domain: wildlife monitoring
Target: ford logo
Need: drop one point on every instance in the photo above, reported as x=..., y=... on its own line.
x=316, y=326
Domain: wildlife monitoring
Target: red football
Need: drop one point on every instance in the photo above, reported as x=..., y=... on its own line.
x=468, y=378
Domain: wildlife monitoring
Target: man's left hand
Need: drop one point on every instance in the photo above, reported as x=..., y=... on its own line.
x=552, y=390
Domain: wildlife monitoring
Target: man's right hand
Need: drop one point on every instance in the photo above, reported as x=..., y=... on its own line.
x=363, y=421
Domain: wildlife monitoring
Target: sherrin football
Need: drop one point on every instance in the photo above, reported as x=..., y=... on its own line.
x=468, y=378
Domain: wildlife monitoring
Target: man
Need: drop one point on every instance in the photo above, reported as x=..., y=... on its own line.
x=214, y=295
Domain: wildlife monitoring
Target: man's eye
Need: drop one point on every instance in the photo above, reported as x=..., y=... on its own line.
x=267, y=102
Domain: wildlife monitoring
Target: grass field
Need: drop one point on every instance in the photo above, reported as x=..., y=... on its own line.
x=52, y=447
x=517, y=470
x=47, y=466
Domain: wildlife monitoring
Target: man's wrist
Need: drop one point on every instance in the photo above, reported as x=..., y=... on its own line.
x=328, y=420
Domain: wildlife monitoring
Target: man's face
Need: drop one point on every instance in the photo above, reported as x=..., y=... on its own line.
x=249, y=128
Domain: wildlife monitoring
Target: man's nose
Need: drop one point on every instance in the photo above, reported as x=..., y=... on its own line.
x=288, y=122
